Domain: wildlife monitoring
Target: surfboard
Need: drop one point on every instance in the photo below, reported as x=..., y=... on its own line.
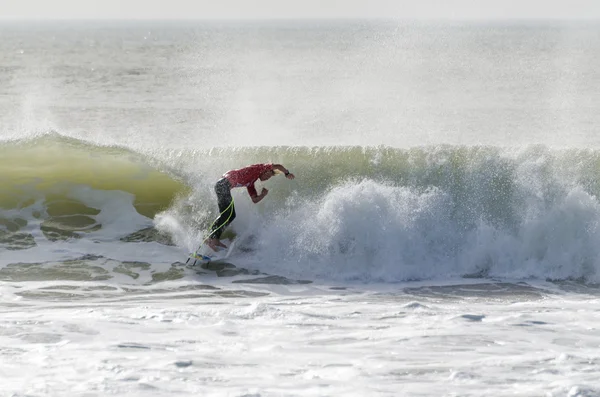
x=204, y=254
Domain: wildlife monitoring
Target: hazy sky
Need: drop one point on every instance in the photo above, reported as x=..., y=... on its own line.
x=234, y=9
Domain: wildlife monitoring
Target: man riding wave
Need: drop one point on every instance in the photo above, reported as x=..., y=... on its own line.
x=243, y=177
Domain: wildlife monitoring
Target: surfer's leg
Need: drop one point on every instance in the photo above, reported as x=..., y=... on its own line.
x=226, y=208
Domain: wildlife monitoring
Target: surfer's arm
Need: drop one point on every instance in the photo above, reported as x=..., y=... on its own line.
x=285, y=171
x=254, y=195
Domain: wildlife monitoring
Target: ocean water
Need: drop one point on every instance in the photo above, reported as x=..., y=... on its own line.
x=441, y=237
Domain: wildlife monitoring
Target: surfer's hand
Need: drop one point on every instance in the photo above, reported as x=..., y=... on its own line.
x=264, y=192
x=290, y=176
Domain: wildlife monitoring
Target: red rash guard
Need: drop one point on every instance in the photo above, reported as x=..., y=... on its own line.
x=245, y=177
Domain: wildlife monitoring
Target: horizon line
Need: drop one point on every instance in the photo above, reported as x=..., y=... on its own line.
x=313, y=18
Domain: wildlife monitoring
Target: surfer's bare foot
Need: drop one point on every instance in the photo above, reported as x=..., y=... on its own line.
x=213, y=243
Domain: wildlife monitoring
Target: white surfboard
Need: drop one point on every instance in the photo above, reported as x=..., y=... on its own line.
x=205, y=254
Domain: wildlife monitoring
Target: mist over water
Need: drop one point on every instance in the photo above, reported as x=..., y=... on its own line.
x=203, y=84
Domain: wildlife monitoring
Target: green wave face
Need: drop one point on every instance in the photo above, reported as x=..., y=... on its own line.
x=38, y=178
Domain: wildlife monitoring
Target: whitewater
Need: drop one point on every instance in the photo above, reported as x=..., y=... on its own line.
x=441, y=237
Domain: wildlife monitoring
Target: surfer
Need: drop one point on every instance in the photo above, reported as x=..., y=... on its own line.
x=243, y=177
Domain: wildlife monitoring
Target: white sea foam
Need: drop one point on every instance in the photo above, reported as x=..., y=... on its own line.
x=348, y=343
